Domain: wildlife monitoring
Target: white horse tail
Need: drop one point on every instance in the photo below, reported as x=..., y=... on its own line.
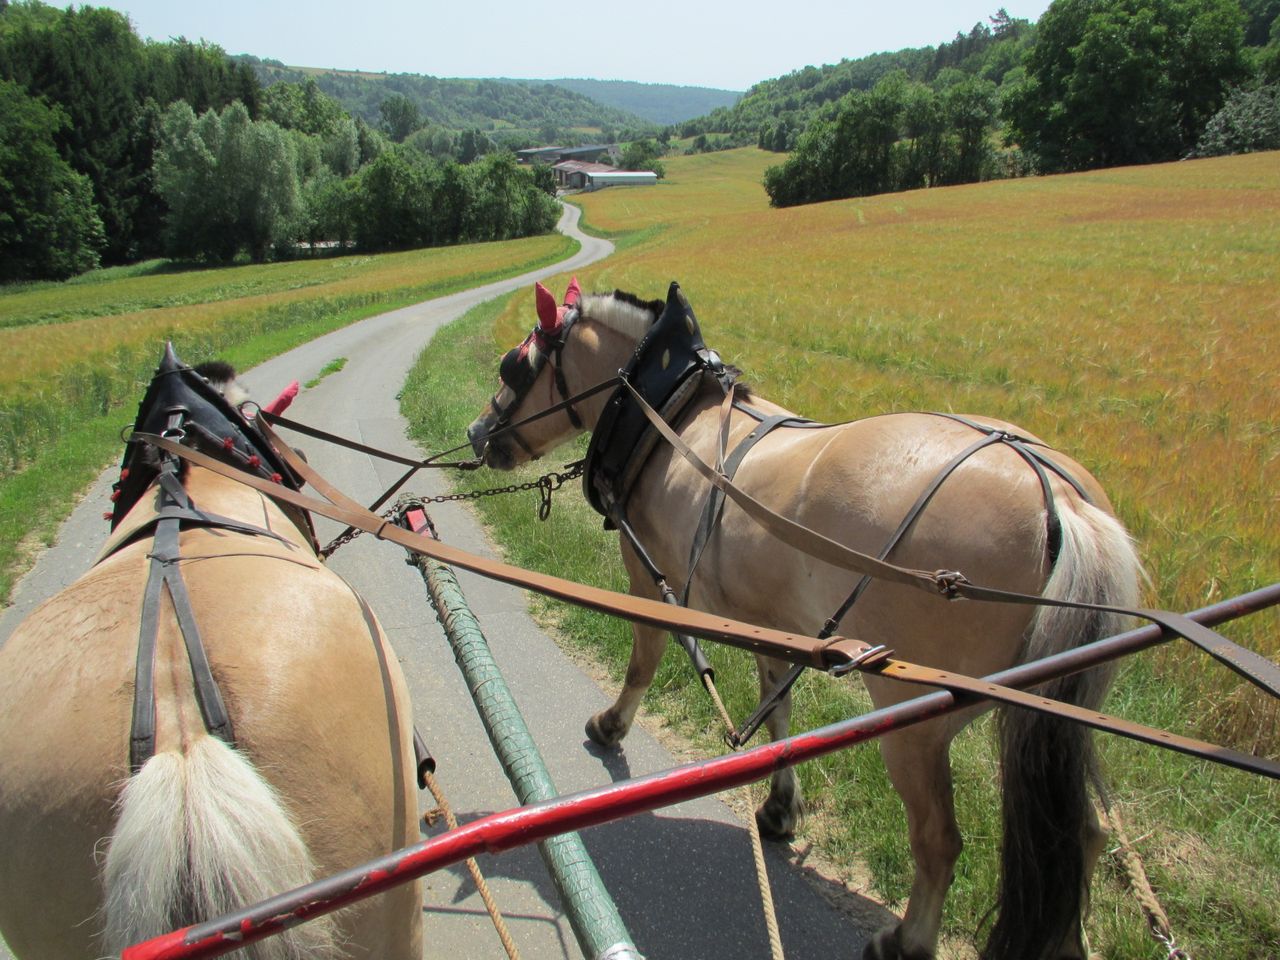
x=1046, y=761
x=200, y=835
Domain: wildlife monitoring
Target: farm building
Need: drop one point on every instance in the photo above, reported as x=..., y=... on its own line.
x=572, y=174
x=621, y=178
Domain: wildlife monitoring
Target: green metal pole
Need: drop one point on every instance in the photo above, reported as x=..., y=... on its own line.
x=592, y=913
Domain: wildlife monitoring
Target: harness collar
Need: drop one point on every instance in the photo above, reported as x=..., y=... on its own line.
x=662, y=370
x=179, y=399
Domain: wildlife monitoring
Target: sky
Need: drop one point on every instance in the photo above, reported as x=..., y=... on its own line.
x=727, y=44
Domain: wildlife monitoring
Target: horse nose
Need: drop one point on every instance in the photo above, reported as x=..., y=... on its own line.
x=479, y=438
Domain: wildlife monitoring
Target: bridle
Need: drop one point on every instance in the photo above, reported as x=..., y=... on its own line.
x=519, y=370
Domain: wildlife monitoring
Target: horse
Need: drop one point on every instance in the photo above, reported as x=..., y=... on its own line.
x=207, y=717
x=914, y=486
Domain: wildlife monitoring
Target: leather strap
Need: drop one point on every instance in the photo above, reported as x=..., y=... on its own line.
x=830, y=654
x=166, y=574
x=1250, y=665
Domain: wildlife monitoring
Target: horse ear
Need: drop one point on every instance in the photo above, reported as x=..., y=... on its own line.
x=573, y=294
x=547, y=314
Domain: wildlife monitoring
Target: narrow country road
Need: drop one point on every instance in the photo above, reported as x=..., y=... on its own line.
x=682, y=877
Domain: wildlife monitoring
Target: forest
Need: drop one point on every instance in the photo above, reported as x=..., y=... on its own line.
x=115, y=150
x=1094, y=83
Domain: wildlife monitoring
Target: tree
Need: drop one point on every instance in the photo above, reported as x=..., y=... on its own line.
x=1113, y=82
x=231, y=183
x=49, y=229
x=1249, y=121
x=642, y=155
x=472, y=145
x=400, y=117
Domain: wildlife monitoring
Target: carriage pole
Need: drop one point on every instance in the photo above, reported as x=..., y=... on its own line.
x=513, y=828
x=592, y=913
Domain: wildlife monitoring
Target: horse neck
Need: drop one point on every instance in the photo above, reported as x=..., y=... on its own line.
x=599, y=352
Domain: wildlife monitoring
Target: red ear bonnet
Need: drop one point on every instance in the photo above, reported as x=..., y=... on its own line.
x=548, y=315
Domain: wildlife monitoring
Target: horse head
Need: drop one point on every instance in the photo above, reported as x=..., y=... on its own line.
x=576, y=345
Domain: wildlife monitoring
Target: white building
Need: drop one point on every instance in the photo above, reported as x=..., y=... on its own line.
x=597, y=180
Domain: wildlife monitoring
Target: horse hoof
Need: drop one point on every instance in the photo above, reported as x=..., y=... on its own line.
x=772, y=828
x=886, y=945
x=604, y=733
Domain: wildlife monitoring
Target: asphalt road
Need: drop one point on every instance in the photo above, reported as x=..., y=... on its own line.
x=682, y=877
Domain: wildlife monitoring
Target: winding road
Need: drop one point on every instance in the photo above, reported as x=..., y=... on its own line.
x=682, y=877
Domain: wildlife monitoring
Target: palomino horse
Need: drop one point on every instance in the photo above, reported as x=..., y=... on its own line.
x=122, y=816
x=1005, y=516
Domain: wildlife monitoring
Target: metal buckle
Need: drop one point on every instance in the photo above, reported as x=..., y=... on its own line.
x=866, y=660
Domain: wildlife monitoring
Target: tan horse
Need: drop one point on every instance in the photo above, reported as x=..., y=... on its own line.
x=319, y=776
x=856, y=482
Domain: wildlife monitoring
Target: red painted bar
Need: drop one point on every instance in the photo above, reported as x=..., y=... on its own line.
x=524, y=825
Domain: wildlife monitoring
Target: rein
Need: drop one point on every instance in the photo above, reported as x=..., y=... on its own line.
x=837, y=654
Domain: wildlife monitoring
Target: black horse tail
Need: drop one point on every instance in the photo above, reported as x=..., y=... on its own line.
x=1051, y=838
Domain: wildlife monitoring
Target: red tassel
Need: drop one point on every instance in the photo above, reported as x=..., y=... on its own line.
x=108, y=515
x=254, y=461
x=276, y=478
x=115, y=495
x=228, y=443
x=124, y=474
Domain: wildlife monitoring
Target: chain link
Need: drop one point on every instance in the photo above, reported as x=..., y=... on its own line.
x=546, y=485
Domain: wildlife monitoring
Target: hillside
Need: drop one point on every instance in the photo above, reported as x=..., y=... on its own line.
x=536, y=109
x=661, y=103
x=774, y=112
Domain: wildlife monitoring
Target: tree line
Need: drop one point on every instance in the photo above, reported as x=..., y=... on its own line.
x=1094, y=83
x=114, y=150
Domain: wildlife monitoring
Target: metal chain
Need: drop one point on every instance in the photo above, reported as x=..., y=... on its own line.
x=546, y=485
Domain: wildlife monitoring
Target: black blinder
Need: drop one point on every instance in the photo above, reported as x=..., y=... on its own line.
x=517, y=371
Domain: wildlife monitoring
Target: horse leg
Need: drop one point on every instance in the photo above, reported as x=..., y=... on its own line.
x=782, y=810
x=918, y=761
x=608, y=727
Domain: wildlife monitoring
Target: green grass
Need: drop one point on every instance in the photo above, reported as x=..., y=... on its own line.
x=333, y=366
x=1155, y=281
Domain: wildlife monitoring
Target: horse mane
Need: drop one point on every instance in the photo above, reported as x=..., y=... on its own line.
x=633, y=316
x=624, y=312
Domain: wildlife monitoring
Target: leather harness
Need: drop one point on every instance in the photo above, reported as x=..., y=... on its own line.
x=834, y=653
x=175, y=392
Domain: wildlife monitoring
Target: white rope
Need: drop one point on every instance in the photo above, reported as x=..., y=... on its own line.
x=757, y=846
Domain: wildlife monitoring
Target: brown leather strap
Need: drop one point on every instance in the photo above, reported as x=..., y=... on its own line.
x=831, y=654
x=984, y=690
x=778, y=643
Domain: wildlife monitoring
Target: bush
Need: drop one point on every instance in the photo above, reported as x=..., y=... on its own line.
x=1248, y=121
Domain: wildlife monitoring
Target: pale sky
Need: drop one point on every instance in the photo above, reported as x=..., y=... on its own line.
x=720, y=43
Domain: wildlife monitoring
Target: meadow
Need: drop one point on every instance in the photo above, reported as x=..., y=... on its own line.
x=79, y=354
x=1130, y=317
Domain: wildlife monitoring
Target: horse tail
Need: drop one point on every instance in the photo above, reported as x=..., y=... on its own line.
x=1046, y=761
x=199, y=835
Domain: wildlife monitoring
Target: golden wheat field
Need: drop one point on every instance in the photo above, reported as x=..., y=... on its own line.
x=50, y=326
